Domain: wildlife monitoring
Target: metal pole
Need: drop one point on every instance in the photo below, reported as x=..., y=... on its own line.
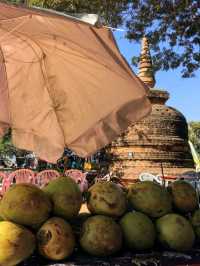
x=162, y=174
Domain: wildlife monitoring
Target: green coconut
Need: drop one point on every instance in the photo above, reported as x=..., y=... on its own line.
x=107, y=198
x=150, y=198
x=195, y=220
x=16, y=243
x=184, y=196
x=101, y=236
x=66, y=197
x=56, y=240
x=175, y=232
x=138, y=230
x=25, y=204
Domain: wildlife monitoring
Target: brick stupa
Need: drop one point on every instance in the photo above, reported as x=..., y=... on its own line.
x=157, y=144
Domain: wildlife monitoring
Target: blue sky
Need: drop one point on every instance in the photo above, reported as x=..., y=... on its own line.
x=184, y=93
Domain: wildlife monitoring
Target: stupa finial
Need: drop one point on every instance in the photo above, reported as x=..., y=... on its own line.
x=145, y=65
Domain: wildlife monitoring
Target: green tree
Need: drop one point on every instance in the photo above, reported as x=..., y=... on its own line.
x=5, y=143
x=7, y=148
x=173, y=30
x=112, y=11
x=194, y=134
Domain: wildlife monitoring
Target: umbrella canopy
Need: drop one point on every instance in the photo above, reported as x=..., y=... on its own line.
x=63, y=83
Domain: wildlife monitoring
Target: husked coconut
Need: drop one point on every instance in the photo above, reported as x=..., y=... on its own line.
x=25, y=204
x=195, y=220
x=150, y=198
x=138, y=230
x=184, y=196
x=101, y=236
x=56, y=240
x=175, y=232
x=66, y=197
x=16, y=243
x=107, y=198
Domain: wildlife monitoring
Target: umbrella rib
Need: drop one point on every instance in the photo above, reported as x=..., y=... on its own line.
x=15, y=28
x=29, y=44
x=41, y=60
x=111, y=52
x=61, y=14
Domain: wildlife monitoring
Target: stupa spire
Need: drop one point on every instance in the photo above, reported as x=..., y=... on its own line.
x=145, y=65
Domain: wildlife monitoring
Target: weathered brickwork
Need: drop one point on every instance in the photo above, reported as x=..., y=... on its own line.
x=161, y=138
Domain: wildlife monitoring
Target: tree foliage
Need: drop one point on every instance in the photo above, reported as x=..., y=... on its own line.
x=173, y=29
x=194, y=135
x=7, y=148
x=5, y=142
x=112, y=11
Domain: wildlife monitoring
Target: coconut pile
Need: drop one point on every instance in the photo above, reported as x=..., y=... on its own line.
x=48, y=221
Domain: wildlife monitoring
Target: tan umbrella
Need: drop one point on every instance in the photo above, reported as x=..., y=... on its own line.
x=63, y=83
